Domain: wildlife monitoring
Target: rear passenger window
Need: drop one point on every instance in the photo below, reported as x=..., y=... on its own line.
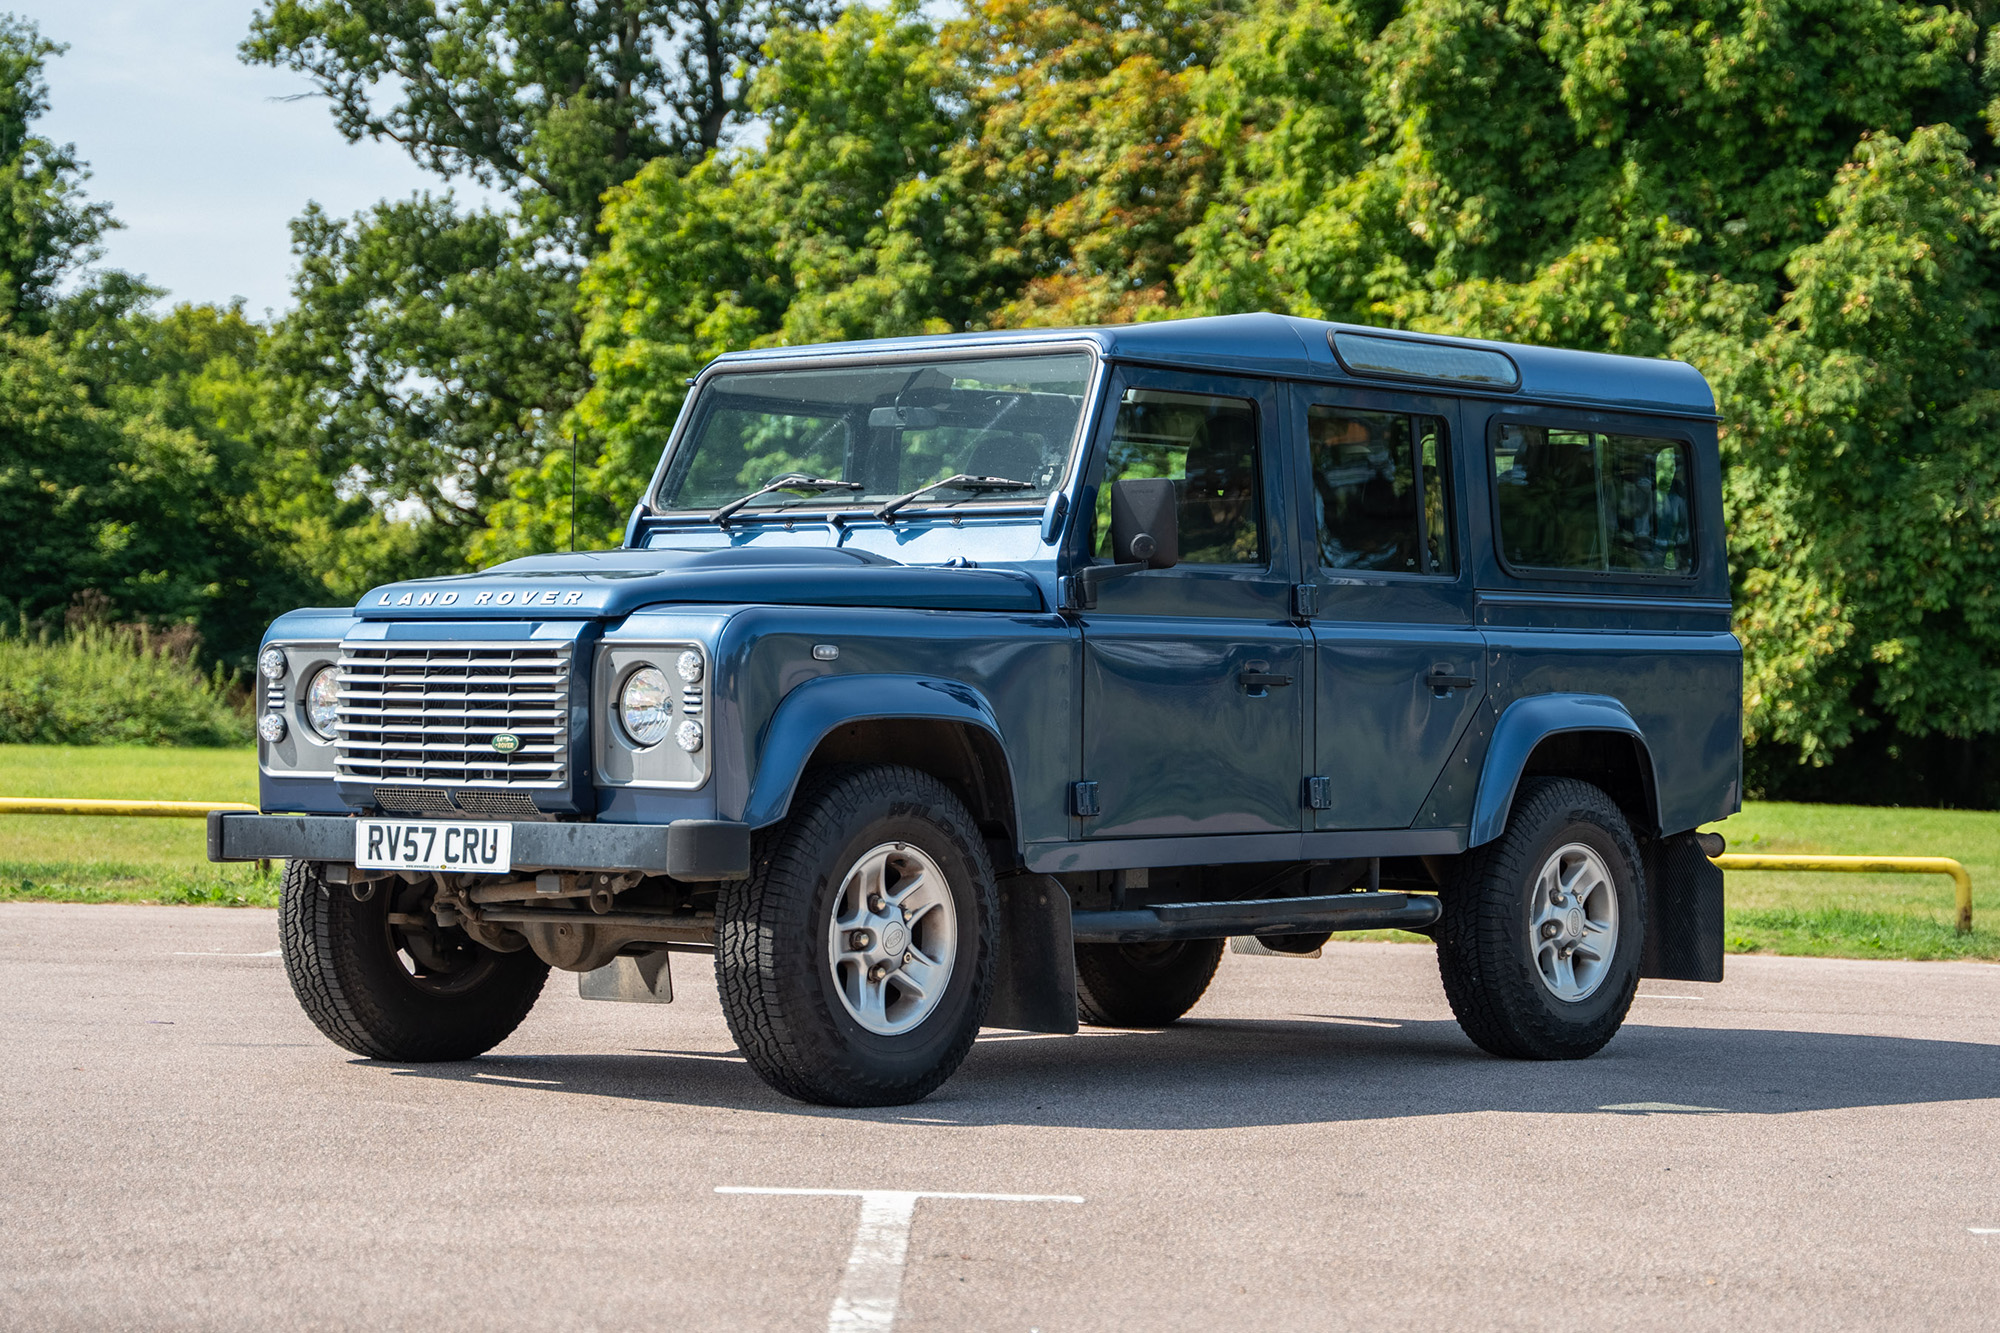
x=1208, y=447
x=1380, y=492
x=1585, y=500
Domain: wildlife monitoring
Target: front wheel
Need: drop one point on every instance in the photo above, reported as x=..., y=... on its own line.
x=381, y=978
x=856, y=962
x=1542, y=930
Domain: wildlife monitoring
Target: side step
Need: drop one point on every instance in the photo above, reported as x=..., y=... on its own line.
x=1256, y=916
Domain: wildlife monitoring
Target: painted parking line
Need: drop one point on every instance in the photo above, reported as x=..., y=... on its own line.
x=873, y=1283
x=1663, y=1107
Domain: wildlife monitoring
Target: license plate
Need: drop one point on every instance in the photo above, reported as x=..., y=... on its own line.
x=433, y=844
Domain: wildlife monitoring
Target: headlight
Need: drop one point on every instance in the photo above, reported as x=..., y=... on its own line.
x=272, y=664
x=689, y=666
x=322, y=701
x=646, y=706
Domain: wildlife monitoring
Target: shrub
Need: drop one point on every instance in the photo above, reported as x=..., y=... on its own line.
x=104, y=686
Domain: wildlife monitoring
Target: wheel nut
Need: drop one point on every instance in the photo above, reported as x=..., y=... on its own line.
x=877, y=905
x=858, y=940
x=1549, y=929
x=877, y=972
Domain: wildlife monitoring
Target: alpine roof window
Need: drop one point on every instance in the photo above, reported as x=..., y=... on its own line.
x=1406, y=358
x=1593, y=502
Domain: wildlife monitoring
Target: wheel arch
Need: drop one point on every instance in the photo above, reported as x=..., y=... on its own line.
x=941, y=727
x=1588, y=736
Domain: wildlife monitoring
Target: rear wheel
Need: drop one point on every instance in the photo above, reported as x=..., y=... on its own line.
x=1142, y=985
x=856, y=962
x=381, y=978
x=1542, y=929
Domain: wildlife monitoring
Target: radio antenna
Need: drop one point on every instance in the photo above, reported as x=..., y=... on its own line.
x=572, y=491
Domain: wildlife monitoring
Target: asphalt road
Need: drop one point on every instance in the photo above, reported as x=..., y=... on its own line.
x=1810, y=1144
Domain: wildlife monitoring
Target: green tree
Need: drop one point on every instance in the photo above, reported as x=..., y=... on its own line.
x=47, y=228
x=836, y=226
x=1794, y=196
x=434, y=351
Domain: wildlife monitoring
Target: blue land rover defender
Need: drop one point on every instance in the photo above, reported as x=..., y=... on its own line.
x=1001, y=678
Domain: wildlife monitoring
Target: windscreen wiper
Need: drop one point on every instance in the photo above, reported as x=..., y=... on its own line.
x=790, y=481
x=964, y=481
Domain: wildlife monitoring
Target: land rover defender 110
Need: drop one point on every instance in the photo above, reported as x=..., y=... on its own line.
x=1001, y=678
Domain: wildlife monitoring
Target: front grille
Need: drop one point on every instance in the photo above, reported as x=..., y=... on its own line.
x=414, y=801
x=497, y=804
x=427, y=714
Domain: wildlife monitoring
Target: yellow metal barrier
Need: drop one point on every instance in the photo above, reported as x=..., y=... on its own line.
x=29, y=805
x=1891, y=865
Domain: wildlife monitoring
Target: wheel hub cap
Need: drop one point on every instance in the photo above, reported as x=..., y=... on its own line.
x=892, y=938
x=1573, y=925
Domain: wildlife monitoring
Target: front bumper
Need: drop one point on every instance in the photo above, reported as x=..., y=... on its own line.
x=689, y=849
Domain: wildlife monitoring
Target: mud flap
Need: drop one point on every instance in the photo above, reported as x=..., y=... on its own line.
x=1034, y=983
x=1683, y=911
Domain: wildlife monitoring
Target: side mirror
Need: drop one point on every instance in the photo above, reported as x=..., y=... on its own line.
x=1145, y=523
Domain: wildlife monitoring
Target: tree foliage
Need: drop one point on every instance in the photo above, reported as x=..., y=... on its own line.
x=1794, y=194
x=47, y=227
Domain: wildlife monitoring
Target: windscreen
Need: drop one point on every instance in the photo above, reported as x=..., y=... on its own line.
x=888, y=429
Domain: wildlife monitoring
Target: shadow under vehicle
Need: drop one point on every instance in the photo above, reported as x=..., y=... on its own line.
x=1001, y=678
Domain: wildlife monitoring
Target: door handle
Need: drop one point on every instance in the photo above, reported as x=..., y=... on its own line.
x=1257, y=680
x=1442, y=681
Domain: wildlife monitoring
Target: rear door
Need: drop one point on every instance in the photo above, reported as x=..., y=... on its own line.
x=1194, y=677
x=1399, y=667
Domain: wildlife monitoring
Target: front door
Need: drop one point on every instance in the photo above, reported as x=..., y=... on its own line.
x=1194, y=677
x=1399, y=667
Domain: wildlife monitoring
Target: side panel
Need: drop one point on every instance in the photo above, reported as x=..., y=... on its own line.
x=1659, y=643
x=812, y=711
x=1680, y=689
x=1523, y=726
x=1019, y=671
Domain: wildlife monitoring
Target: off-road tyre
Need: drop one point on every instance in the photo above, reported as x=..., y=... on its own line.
x=1142, y=985
x=341, y=956
x=771, y=953
x=1485, y=945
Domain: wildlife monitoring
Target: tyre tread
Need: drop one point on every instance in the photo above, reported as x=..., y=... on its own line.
x=1487, y=987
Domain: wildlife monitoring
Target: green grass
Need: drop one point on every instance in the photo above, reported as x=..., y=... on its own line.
x=1850, y=916
x=59, y=858
x=63, y=859
x=1862, y=916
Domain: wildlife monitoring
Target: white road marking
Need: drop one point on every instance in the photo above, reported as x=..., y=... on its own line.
x=866, y=1302
x=1984, y=1231
x=217, y=953
x=1659, y=1106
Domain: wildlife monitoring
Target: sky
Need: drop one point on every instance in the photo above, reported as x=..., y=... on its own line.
x=199, y=154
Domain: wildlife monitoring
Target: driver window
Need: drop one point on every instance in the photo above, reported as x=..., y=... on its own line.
x=1207, y=446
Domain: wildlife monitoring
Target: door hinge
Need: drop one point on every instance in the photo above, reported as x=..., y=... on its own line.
x=1083, y=799
x=1305, y=600
x=1319, y=793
